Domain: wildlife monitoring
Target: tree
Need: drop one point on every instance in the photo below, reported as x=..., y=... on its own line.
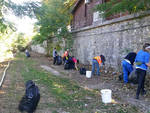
x=120, y=6
x=53, y=18
x=27, y=9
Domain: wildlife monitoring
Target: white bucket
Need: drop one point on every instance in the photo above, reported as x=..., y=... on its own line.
x=88, y=74
x=106, y=95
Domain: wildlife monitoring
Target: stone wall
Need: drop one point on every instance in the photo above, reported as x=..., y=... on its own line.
x=46, y=47
x=114, y=38
x=40, y=48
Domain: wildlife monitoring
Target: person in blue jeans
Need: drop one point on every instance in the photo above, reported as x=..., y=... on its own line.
x=127, y=65
x=142, y=62
x=96, y=62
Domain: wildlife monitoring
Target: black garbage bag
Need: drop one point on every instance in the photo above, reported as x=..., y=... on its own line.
x=31, y=98
x=83, y=71
x=133, y=77
x=59, y=60
x=120, y=77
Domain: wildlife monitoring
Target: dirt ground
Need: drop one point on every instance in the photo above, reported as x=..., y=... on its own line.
x=121, y=93
x=107, y=80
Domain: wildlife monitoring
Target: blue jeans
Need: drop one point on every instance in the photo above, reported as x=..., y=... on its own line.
x=95, y=63
x=127, y=69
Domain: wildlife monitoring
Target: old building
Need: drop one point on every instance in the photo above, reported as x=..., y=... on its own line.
x=113, y=37
x=85, y=15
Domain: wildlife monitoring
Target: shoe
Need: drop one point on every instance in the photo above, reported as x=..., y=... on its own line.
x=143, y=92
x=136, y=97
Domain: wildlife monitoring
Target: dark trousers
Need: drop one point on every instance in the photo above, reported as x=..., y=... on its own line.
x=55, y=59
x=141, y=79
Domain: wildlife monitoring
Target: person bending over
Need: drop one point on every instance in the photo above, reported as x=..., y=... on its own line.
x=127, y=65
x=96, y=62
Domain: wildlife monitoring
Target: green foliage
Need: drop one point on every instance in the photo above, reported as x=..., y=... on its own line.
x=53, y=18
x=122, y=6
x=3, y=27
x=27, y=9
x=20, y=42
x=20, y=10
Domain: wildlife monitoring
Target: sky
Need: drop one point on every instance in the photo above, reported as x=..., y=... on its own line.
x=24, y=24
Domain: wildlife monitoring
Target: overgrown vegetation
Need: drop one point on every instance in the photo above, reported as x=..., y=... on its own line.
x=10, y=40
x=54, y=18
x=113, y=7
x=70, y=97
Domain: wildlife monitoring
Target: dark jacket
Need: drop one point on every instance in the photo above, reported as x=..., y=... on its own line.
x=131, y=57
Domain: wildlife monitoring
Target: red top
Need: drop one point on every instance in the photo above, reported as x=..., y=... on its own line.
x=74, y=60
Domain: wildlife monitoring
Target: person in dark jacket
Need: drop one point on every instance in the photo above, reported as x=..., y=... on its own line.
x=27, y=53
x=127, y=65
x=54, y=56
x=142, y=62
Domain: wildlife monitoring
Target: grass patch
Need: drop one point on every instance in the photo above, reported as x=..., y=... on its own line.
x=68, y=94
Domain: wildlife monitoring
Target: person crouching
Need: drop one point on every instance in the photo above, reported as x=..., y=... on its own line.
x=127, y=65
x=27, y=53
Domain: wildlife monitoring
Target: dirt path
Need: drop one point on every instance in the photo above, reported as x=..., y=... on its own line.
x=10, y=91
x=121, y=93
x=13, y=87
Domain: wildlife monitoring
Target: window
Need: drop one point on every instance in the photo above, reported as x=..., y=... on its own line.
x=85, y=10
x=98, y=16
x=87, y=1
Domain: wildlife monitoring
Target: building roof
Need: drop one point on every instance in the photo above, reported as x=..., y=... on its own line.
x=75, y=6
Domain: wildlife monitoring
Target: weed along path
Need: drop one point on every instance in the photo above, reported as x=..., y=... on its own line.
x=66, y=91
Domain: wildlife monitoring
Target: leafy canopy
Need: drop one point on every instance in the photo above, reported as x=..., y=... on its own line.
x=26, y=9
x=122, y=6
x=53, y=18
